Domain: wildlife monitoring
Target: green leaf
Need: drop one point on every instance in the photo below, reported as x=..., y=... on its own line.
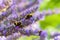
x=52, y=20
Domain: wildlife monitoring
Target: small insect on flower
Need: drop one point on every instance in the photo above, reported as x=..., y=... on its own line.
x=28, y=16
x=18, y=24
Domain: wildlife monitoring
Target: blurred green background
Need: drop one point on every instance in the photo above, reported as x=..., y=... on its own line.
x=52, y=22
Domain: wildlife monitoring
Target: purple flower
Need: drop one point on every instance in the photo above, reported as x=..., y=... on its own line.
x=17, y=27
x=4, y=13
x=57, y=38
x=27, y=32
x=43, y=35
x=5, y=32
x=36, y=31
x=14, y=15
x=1, y=28
x=7, y=13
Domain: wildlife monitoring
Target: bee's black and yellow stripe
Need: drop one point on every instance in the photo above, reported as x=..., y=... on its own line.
x=19, y=24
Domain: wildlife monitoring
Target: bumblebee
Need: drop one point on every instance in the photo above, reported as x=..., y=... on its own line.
x=18, y=24
x=28, y=16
